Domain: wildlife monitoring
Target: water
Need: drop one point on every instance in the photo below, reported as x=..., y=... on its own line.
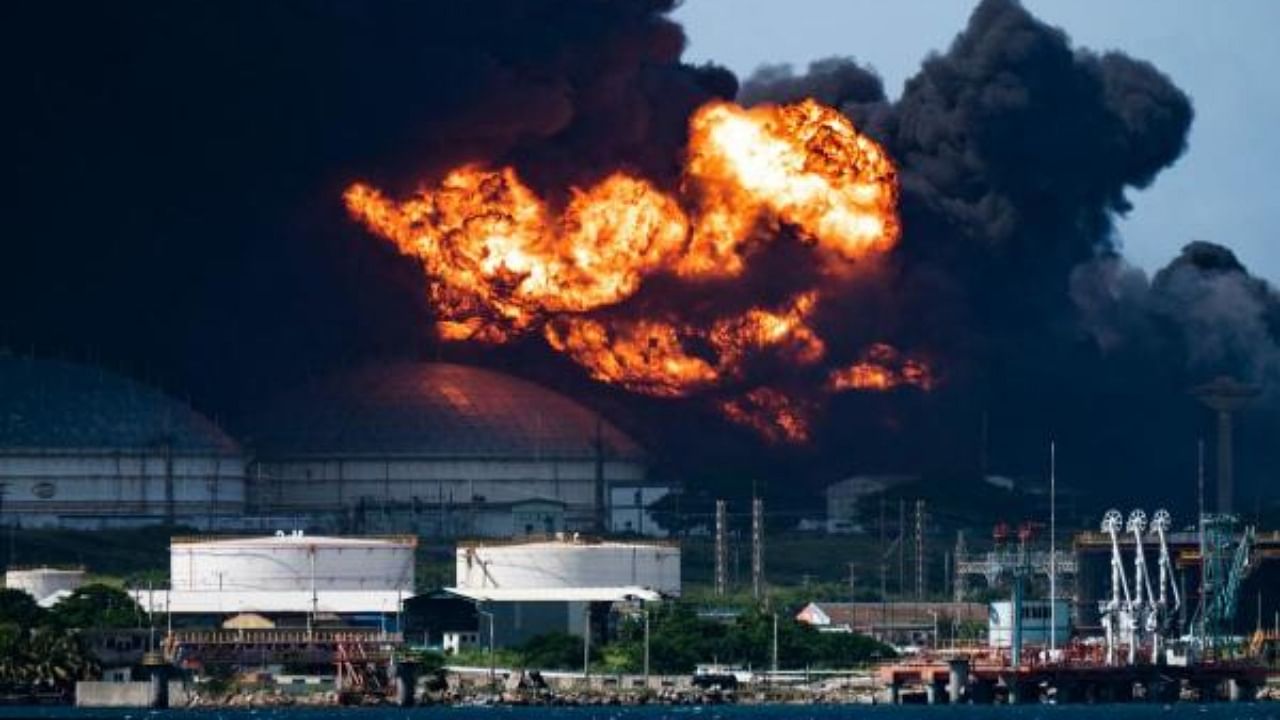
x=1182, y=711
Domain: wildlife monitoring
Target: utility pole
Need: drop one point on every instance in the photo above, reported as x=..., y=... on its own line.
x=902, y=547
x=775, y=645
x=722, y=549
x=646, y=647
x=1204, y=598
x=1053, y=547
x=586, y=643
x=757, y=548
x=884, y=566
x=960, y=555
x=853, y=589
x=920, y=579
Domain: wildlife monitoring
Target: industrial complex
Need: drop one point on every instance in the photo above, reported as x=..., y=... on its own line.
x=315, y=518
x=426, y=448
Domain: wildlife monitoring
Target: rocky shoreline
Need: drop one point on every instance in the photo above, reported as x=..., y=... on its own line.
x=469, y=695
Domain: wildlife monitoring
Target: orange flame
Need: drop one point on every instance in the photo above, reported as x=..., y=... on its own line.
x=771, y=413
x=881, y=367
x=505, y=263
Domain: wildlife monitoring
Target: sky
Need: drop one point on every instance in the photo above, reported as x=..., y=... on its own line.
x=1224, y=55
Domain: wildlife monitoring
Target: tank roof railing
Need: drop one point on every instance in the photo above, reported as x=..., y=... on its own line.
x=56, y=567
x=565, y=538
x=301, y=539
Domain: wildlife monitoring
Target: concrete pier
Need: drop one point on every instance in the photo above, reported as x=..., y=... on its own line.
x=972, y=680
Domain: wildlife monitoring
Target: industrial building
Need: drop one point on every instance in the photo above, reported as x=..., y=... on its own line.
x=568, y=585
x=1043, y=624
x=47, y=585
x=441, y=450
x=897, y=623
x=81, y=447
x=846, y=499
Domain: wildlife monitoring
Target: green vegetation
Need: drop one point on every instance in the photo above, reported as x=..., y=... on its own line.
x=136, y=554
x=679, y=640
x=42, y=658
x=42, y=649
x=96, y=606
x=554, y=651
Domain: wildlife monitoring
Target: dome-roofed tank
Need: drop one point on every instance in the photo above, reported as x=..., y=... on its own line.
x=437, y=410
x=48, y=404
x=436, y=448
x=84, y=447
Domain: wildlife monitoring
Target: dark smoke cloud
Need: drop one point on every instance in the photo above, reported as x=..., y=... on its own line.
x=1016, y=152
x=174, y=170
x=172, y=174
x=838, y=82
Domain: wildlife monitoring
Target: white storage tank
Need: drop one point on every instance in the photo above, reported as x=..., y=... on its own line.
x=44, y=582
x=568, y=564
x=292, y=562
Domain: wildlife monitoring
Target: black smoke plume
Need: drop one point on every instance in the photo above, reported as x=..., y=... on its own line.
x=1016, y=152
x=172, y=207
x=173, y=171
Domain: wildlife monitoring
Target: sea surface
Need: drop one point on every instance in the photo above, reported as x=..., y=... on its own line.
x=1182, y=711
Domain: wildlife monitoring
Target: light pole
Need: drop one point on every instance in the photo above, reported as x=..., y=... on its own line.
x=493, y=672
x=934, y=614
x=1053, y=548
x=646, y=647
x=775, y=645
x=586, y=643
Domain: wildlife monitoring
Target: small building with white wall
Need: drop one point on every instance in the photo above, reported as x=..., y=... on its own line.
x=47, y=585
x=1038, y=617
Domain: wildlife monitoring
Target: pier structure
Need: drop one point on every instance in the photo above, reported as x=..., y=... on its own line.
x=981, y=679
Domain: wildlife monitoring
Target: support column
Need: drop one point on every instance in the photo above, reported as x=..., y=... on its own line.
x=958, y=679
x=1238, y=690
x=406, y=682
x=893, y=693
x=1208, y=691
x=158, y=676
x=933, y=692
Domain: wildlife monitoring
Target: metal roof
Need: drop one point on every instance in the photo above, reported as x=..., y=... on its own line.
x=53, y=405
x=415, y=409
x=291, y=540
x=578, y=594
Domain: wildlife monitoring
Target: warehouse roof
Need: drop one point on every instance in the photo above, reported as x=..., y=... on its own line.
x=58, y=405
x=416, y=409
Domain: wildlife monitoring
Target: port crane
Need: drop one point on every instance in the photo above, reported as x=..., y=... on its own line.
x=1139, y=614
